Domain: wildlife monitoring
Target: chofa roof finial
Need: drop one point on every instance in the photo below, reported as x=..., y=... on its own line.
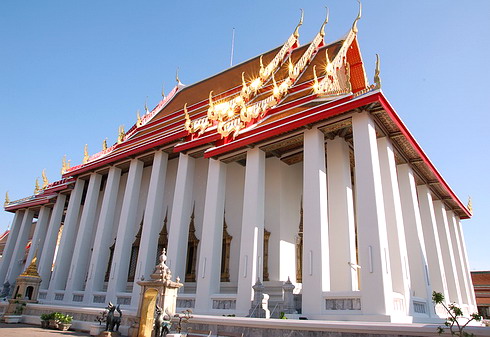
x=377, y=79
x=354, y=25
x=296, y=31
x=322, y=28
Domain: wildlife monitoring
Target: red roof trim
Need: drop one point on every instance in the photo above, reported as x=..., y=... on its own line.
x=32, y=203
x=134, y=151
x=318, y=113
x=391, y=112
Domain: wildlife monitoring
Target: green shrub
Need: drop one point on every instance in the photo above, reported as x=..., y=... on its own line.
x=455, y=313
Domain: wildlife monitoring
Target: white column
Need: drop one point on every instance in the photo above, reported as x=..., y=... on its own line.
x=397, y=244
x=181, y=212
x=208, y=279
x=47, y=256
x=376, y=285
x=458, y=254
x=102, y=241
x=152, y=223
x=432, y=242
x=420, y=286
x=316, y=269
x=83, y=244
x=252, y=234
x=39, y=235
x=125, y=232
x=67, y=242
x=9, y=247
x=447, y=253
x=16, y=263
x=466, y=266
x=341, y=226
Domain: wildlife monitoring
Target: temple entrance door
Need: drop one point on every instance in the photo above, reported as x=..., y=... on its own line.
x=147, y=313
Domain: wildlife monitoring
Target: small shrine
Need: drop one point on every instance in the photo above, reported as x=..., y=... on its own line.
x=27, y=284
x=159, y=291
x=26, y=291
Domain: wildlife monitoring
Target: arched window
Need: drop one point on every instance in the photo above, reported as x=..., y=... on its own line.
x=135, y=248
x=162, y=239
x=109, y=263
x=192, y=243
x=29, y=291
x=225, y=253
x=267, y=235
x=299, y=247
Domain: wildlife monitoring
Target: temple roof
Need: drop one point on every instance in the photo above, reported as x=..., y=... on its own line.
x=269, y=98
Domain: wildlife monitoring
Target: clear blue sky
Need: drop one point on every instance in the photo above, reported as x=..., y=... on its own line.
x=72, y=71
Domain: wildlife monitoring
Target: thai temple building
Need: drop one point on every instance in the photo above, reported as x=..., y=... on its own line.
x=289, y=174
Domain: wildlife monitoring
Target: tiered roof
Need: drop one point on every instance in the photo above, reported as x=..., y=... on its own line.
x=266, y=101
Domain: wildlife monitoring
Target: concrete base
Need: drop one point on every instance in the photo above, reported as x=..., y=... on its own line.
x=319, y=328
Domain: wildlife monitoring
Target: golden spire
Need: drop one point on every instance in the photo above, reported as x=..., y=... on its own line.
x=146, y=106
x=296, y=31
x=470, y=205
x=315, y=78
x=121, y=134
x=104, y=144
x=377, y=80
x=354, y=25
x=163, y=92
x=138, y=117
x=45, y=179
x=31, y=270
x=261, y=65
x=7, y=199
x=37, y=189
x=322, y=28
x=188, y=121
x=64, y=165
x=85, y=154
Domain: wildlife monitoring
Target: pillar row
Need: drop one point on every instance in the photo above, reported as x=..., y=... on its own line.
x=432, y=242
x=208, y=279
x=49, y=248
x=83, y=244
x=67, y=242
x=9, y=247
x=420, y=284
x=376, y=285
x=152, y=222
x=252, y=234
x=20, y=245
x=397, y=244
x=125, y=232
x=447, y=252
x=343, y=274
x=39, y=235
x=316, y=267
x=181, y=211
x=458, y=257
x=102, y=241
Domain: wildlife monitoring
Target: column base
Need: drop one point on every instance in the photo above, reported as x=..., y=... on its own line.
x=364, y=318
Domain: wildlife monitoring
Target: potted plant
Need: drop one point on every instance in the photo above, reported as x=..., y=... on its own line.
x=45, y=321
x=65, y=322
x=184, y=317
x=96, y=329
x=54, y=318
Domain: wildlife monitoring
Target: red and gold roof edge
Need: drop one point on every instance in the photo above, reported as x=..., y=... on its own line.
x=168, y=128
